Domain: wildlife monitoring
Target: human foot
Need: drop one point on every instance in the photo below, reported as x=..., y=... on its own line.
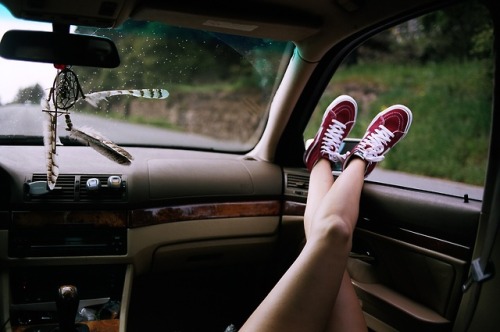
x=385, y=130
x=337, y=122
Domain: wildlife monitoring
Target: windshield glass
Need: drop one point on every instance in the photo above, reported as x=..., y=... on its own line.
x=179, y=88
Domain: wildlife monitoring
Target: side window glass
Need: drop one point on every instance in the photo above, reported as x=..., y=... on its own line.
x=441, y=66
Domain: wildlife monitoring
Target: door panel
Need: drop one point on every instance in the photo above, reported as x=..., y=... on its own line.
x=411, y=251
x=410, y=256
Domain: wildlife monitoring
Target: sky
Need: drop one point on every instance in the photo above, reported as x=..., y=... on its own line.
x=15, y=75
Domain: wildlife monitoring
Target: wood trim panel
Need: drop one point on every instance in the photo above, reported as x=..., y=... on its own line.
x=291, y=208
x=168, y=214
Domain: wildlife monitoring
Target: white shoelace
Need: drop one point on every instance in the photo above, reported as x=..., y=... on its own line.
x=375, y=141
x=333, y=138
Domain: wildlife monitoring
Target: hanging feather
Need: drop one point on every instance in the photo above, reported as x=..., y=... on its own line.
x=99, y=143
x=65, y=92
x=50, y=142
x=95, y=97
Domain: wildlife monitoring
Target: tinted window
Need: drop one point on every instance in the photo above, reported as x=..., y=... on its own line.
x=440, y=66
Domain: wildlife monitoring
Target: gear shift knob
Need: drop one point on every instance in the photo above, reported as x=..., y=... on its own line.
x=67, y=306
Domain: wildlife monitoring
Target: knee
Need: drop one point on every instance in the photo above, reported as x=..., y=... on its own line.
x=335, y=229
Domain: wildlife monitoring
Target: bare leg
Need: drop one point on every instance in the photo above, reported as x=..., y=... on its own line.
x=304, y=297
x=320, y=182
x=346, y=313
x=314, y=294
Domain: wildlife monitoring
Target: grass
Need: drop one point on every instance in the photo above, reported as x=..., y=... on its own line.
x=451, y=105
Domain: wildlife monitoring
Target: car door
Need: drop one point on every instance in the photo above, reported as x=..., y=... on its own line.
x=418, y=225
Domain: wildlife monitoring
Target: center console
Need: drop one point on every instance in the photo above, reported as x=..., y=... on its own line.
x=102, y=296
x=60, y=277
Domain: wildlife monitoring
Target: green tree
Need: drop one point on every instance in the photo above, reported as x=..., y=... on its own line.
x=30, y=95
x=460, y=32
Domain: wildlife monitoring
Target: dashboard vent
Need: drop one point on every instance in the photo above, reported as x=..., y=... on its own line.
x=294, y=181
x=63, y=191
x=73, y=188
x=296, y=184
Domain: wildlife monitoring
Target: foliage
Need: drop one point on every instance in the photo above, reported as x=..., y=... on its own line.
x=440, y=65
x=460, y=32
x=169, y=53
x=154, y=55
x=29, y=95
x=450, y=132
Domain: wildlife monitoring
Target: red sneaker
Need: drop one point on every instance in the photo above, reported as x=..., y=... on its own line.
x=338, y=120
x=386, y=129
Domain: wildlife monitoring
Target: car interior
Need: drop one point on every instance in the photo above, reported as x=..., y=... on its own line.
x=189, y=230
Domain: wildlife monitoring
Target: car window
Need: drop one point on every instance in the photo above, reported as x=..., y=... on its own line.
x=219, y=87
x=442, y=69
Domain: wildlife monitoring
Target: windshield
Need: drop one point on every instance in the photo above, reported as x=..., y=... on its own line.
x=179, y=88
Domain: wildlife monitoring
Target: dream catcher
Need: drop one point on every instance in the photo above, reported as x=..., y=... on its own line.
x=63, y=95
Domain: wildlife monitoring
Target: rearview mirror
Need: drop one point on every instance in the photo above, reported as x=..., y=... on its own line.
x=59, y=48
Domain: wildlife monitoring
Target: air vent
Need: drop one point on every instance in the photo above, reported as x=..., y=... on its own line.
x=63, y=191
x=296, y=184
x=73, y=188
x=294, y=181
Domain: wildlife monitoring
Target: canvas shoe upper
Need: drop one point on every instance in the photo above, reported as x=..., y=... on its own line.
x=337, y=122
x=385, y=130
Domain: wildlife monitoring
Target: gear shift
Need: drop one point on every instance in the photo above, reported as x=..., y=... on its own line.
x=67, y=302
x=67, y=305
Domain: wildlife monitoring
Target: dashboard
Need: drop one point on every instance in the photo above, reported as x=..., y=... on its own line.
x=105, y=223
